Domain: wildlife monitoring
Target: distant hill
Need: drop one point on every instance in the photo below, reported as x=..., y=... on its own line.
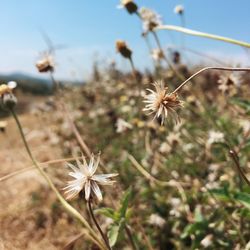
x=32, y=84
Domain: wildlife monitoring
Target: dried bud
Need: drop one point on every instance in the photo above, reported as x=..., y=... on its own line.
x=9, y=100
x=176, y=57
x=123, y=49
x=179, y=9
x=46, y=64
x=129, y=5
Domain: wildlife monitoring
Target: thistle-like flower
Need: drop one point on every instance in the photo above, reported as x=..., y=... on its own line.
x=46, y=64
x=150, y=19
x=179, y=9
x=86, y=179
x=162, y=103
x=129, y=5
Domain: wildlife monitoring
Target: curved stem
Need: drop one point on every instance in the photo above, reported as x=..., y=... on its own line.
x=208, y=68
x=105, y=239
x=64, y=203
x=203, y=34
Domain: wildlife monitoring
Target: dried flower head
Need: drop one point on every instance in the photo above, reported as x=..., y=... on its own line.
x=7, y=88
x=8, y=100
x=215, y=137
x=129, y=5
x=229, y=82
x=179, y=9
x=150, y=19
x=86, y=179
x=162, y=103
x=46, y=64
x=157, y=54
x=123, y=49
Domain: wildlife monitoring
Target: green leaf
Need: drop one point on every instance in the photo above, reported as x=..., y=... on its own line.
x=221, y=193
x=113, y=234
x=108, y=212
x=114, y=231
x=198, y=215
x=243, y=198
x=124, y=203
x=245, y=104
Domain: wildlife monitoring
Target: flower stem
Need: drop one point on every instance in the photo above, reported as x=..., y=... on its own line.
x=235, y=158
x=203, y=34
x=208, y=68
x=129, y=234
x=104, y=237
x=64, y=203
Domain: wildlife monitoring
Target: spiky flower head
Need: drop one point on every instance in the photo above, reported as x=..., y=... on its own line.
x=46, y=63
x=129, y=5
x=85, y=180
x=162, y=103
x=123, y=49
x=179, y=9
x=150, y=19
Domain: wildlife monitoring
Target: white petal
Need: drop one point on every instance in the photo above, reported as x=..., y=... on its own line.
x=87, y=190
x=96, y=190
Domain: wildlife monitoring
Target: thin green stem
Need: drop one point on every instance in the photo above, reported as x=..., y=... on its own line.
x=203, y=34
x=104, y=237
x=129, y=234
x=208, y=68
x=64, y=203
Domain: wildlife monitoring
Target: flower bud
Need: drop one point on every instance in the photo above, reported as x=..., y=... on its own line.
x=130, y=6
x=123, y=49
x=46, y=64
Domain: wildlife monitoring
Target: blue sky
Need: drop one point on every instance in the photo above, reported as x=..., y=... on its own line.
x=89, y=29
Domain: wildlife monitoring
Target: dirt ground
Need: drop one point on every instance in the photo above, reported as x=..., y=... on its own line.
x=26, y=205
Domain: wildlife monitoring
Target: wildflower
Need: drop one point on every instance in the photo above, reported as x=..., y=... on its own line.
x=215, y=137
x=7, y=88
x=123, y=49
x=227, y=83
x=129, y=5
x=150, y=19
x=162, y=103
x=122, y=125
x=46, y=64
x=179, y=9
x=156, y=220
x=7, y=98
x=207, y=241
x=86, y=179
x=157, y=54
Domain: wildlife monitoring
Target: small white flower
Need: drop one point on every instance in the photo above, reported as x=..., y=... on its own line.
x=122, y=125
x=215, y=137
x=162, y=103
x=179, y=9
x=207, y=241
x=157, y=54
x=86, y=179
x=150, y=19
x=156, y=220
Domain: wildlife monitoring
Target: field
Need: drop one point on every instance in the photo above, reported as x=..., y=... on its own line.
x=130, y=160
